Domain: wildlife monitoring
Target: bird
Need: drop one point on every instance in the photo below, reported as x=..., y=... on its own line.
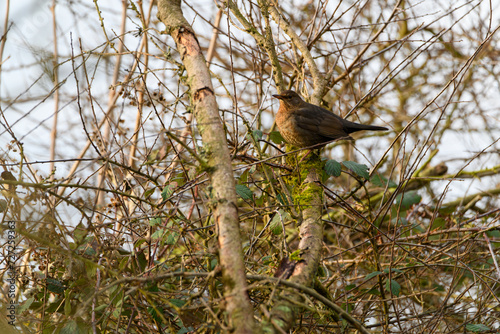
x=303, y=124
x=7, y=176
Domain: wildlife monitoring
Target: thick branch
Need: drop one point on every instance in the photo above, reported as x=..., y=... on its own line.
x=206, y=112
x=308, y=198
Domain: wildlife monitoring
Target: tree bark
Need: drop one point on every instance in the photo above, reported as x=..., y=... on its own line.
x=218, y=166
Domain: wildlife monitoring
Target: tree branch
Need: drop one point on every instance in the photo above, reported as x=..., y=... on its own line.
x=206, y=112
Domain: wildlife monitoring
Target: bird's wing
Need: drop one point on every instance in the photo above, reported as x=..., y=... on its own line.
x=320, y=121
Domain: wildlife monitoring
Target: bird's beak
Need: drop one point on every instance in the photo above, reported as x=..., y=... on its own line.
x=277, y=96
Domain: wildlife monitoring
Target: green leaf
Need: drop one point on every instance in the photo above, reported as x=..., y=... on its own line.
x=393, y=270
x=276, y=137
x=185, y=330
x=80, y=232
x=86, y=249
x=282, y=199
x=438, y=223
x=101, y=307
x=406, y=200
x=358, y=169
x=55, y=286
x=276, y=226
x=244, y=176
x=67, y=302
x=418, y=229
x=148, y=193
x=400, y=221
x=154, y=312
x=373, y=274
x=393, y=286
x=70, y=327
x=374, y=292
x=167, y=192
x=142, y=260
x=178, y=302
x=333, y=168
x=172, y=238
x=381, y=181
x=493, y=234
x=154, y=221
x=477, y=328
x=91, y=268
x=157, y=234
x=243, y=191
x=24, y=306
x=255, y=134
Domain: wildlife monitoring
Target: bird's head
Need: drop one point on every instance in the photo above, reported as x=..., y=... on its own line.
x=289, y=98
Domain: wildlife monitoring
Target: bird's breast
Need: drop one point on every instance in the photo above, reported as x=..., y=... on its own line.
x=293, y=133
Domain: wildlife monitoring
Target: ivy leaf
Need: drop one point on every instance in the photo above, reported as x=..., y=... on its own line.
x=333, y=168
x=358, y=169
x=243, y=191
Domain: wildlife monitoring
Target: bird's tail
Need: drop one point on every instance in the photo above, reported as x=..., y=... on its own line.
x=353, y=127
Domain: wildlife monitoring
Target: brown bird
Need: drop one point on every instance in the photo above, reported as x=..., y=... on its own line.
x=303, y=124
